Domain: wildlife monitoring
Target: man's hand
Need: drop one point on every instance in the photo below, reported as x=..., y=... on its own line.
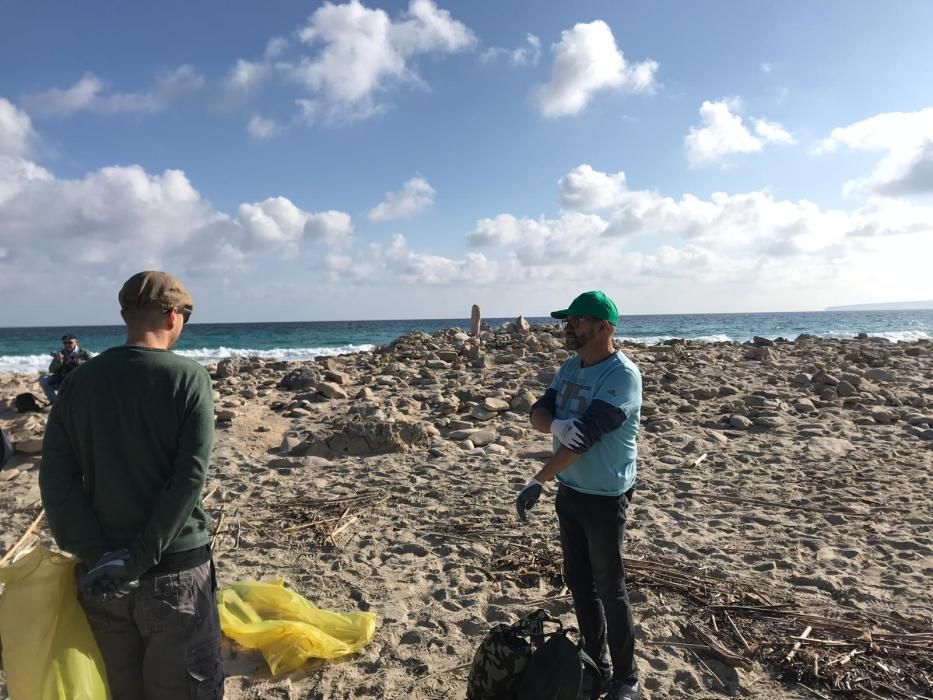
x=109, y=578
x=527, y=498
x=567, y=430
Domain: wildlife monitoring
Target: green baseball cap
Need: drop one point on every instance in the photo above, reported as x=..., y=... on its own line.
x=595, y=304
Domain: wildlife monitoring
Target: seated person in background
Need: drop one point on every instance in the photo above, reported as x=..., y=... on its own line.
x=63, y=362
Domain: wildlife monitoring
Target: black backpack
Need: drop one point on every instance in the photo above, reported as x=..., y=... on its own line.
x=27, y=403
x=523, y=662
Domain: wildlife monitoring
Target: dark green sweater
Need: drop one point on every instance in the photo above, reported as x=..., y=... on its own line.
x=125, y=456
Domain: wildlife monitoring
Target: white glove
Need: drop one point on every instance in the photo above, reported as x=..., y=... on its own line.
x=568, y=432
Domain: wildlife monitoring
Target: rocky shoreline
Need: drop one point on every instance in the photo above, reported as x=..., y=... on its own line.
x=803, y=465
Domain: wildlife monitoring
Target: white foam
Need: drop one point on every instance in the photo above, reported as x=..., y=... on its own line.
x=657, y=339
x=208, y=356
x=31, y=364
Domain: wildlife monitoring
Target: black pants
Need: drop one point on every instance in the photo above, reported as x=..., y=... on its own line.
x=591, y=532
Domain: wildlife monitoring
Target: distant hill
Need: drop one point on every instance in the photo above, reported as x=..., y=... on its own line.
x=892, y=306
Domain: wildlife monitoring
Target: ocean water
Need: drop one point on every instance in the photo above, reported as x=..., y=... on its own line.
x=29, y=349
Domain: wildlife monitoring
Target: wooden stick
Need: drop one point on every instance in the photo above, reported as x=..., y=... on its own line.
x=223, y=515
x=19, y=543
x=343, y=527
x=738, y=634
x=699, y=460
x=793, y=652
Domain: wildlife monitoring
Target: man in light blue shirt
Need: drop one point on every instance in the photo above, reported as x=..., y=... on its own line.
x=593, y=410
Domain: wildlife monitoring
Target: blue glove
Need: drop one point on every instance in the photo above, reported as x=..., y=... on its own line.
x=109, y=578
x=527, y=498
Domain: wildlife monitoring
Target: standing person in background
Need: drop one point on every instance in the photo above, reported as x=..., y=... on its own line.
x=124, y=462
x=593, y=409
x=69, y=358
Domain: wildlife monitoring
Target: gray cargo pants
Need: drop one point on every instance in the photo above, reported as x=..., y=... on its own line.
x=162, y=641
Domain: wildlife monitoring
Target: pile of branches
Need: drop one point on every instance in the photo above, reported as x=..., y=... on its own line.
x=848, y=652
x=313, y=521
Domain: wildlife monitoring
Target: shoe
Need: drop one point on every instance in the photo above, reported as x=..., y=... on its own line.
x=623, y=691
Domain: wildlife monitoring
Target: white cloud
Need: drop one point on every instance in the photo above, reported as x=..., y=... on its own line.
x=16, y=132
x=526, y=55
x=261, y=128
x=585, y=189
x=92, y=94
x=415, y=195
x=586, y=61
x=246, y=75
x=766, y=67
x=723, y=132
x=907, y=139
x=363, y=51
x=278, y=222
x=118, y=219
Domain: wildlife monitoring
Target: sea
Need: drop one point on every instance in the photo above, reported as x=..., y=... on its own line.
x=29, y=350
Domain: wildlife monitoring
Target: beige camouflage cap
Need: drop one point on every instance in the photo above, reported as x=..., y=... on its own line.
x=153, y=288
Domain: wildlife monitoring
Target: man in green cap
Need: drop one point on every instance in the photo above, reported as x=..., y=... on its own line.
x=593, y=410
x=124, y=461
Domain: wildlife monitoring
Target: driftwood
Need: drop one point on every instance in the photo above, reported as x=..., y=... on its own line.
x=22, y=540
x=739, y=621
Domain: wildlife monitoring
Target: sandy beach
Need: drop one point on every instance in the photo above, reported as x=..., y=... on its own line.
x=791, y=477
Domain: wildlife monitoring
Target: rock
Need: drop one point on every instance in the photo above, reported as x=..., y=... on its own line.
x=883, y=416
x=461, y=434
x=475, y=319
x=365, y=393
x=740, y=422
x=29, y=446
x=660, y=426
x=727, y=390
x=844, y=389
x=231, y=366
x=298, y=412
x=448, y=356
x=460, y=338
x=505, y=359
x=522, y=402
x=762, y=354
x=826, y=379
x=289, y=443
x=495, y=449
x=521, y=324
x=299, y=379
x=801, y=379
x=804, y=405
x=481, y=413
x=226, y=415
x=769, y=421
x=762, y=342
x=495, y=405
x=918, y=419
x=331, y=391
x=704, y=393
x=481, y=438
x=926, y=435
x=9, y=474
x=336, y=377
x=879, y=374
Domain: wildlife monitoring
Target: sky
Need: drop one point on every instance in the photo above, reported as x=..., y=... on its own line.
x=372, y=160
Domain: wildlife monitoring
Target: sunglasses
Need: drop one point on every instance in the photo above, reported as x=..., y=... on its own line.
x=185, y=311
x=575, y=321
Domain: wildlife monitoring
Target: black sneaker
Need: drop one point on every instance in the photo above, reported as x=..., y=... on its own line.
x=623, y=691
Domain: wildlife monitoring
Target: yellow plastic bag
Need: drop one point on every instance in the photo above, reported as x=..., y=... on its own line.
x=49, y=651
x=286, y=628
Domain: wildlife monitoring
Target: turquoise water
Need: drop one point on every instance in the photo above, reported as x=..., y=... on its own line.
x=29, y=349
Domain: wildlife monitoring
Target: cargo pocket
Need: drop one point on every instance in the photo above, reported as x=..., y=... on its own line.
x=205, y=672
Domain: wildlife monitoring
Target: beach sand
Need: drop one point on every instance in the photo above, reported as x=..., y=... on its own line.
x=797, y=473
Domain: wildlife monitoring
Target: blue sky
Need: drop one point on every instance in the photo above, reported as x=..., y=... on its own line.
x=314, y=161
